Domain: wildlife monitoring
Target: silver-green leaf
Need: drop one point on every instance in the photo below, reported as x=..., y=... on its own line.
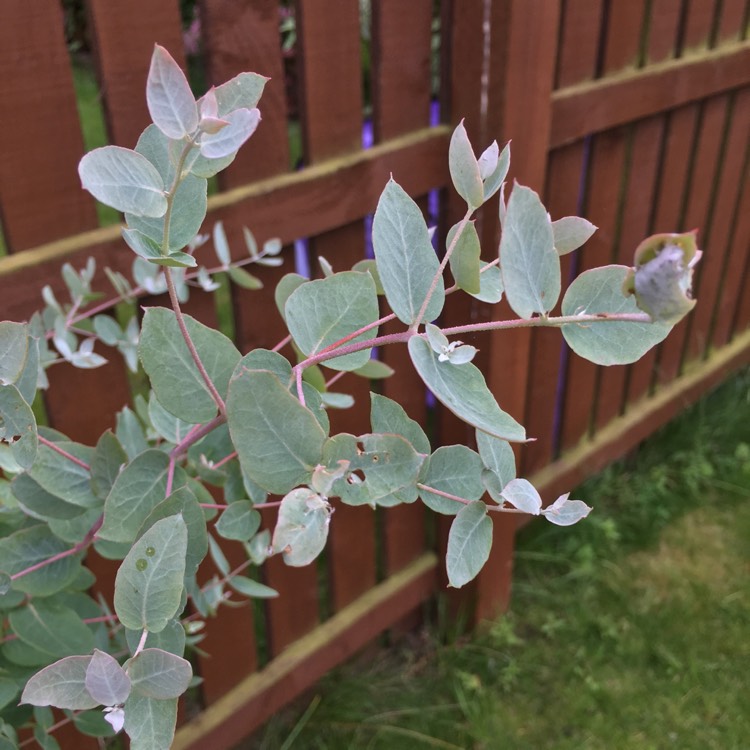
x=469, y=544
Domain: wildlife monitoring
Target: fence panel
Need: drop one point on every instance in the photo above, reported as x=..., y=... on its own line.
x=618, y=95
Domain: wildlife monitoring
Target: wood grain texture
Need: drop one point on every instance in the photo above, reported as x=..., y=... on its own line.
x=717, y=234
x=331, y=113
x=123, y=36
x=40, y=193
x=604, y=104
x=401, y=93
x=697, y=212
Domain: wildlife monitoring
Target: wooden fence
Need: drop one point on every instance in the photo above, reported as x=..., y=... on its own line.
x=634, y=113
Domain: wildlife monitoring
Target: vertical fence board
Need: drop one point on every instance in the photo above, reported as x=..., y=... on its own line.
x=636, y=215
x=715, y=241
x=625, y=25
x=742, y=316
x=730, y=26
x=698, y=24
x=697, y=214
x=401, y=83
x=242, y=37
x=124, y=35
x=40, y=193
x=332, y=125
x=739, y=257
x=577, y=61
x=664, y=27
x=601, y=206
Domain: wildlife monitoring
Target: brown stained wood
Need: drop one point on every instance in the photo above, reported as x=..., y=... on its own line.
x=669, y=198
x=707, y=290
x=736, y=282
x=493, y=590
x=296, y=205
x=40, y=193
x=244, y=37
x=635, y=219
x=603, y=104
x=602, y=203
x=664, y=26
x=742, y=316
x=577, y=61
x=331, y=94
x=401, y=80
x=331, y=86
x=579, y=41
x=123, y=35
x=730, y=26
x=401, y=90
x=527, y=70
x=698, y=24
x=697, y=214
x=561, y=199
x=261, y=695
x=625, y=23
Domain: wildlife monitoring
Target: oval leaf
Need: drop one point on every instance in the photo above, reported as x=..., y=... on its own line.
x=123, y=179
x=106, y=681
x=170, y=101
x=609, y=342
x=462, y=389
x=521, y=494
x=454, y=469
x=302, y=527
x=529, y=263
x=469, y=544
x=150, y=722
x=149, y=583
x=242, y=124
x=62, y=684
x=405, y=257
x=571, y=232
x=464, y=168
x=564, y=512
x=156, y=673
x=279, y=441
x=320, y=313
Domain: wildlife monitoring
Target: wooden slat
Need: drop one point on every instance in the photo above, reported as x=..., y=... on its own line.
x=602, y=202
x=401, y=81
x=600, y=105
x=123, y=35
x=577, y=61
x=699, y=22
x=735, y=279
x=731, y=21
x=664, y=27
x=579, y=42
x=331, y=91
x=40, y=193
x=697, y=214
x=523, y=68
x=625, y=25
x=634, y=226
x=716, y=239
x=668, y=202
x=311, y=201
x=242, y=37
x=261, y=695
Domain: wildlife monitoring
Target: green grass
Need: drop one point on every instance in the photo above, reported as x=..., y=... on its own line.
x=628, y=631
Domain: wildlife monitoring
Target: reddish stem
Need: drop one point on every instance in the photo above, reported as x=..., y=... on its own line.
x=64, y=453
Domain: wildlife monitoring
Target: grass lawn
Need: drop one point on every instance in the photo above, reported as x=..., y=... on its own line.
x=627, y=631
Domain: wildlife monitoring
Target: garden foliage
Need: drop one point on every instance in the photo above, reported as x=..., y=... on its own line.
x=254, y=424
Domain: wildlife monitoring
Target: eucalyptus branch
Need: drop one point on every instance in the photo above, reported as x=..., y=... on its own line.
x=464, y=501
x=64, y=453
x=82, y=545
x=439, y=273
x=492, y=325
x=195, y=435
x=189, y=342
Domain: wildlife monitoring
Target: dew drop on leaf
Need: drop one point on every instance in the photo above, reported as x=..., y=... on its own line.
x=150, y=551
x=141, y=564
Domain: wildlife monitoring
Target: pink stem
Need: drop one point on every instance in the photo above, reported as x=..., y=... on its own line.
x=64, y=453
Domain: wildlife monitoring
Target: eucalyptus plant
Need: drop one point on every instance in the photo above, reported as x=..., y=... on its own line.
x=254, y=426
